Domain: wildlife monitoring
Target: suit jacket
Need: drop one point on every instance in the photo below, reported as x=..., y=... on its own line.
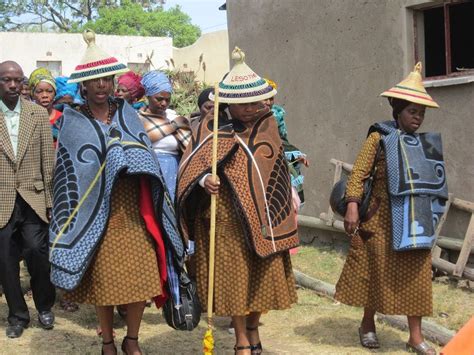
x=30, y=173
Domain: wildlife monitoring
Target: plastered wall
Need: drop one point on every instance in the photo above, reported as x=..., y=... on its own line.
x=214, y=48
x=27, y=48
x=331, y=60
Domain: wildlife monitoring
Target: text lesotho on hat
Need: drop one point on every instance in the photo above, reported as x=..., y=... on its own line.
x=242, y=84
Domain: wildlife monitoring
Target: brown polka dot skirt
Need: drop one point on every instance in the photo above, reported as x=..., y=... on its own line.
x=125, y=268
x=244, y=282
x=374, y=276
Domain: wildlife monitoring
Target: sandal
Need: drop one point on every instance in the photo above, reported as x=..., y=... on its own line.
x=421, y=349
x=255, y=349
x=108, y=343
x=127, y=338
x=369, y=340
x=239, y=348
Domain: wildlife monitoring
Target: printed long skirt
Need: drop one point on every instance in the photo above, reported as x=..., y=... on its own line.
x=243, y=281
x=124, y=269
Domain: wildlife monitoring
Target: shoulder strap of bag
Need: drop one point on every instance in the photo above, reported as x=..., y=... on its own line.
x=374, y=164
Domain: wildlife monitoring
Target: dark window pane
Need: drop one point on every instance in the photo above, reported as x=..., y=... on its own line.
x=435, y=60
x=461, y=20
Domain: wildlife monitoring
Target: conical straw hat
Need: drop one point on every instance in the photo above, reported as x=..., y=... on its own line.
x=95, y=63
x=412, y=89
x=242, y=84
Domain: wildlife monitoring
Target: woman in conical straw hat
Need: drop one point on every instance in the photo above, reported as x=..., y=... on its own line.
x=107, y=244
x=256, y=223
x=388, y=268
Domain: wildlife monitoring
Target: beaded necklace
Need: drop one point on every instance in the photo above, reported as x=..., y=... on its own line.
x=88, y=111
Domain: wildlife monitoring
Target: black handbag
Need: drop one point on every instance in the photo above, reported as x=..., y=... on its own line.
x=337, y=200
x=188, y=314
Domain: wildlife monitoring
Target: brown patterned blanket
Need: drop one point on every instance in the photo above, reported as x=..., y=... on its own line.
x=252, y=162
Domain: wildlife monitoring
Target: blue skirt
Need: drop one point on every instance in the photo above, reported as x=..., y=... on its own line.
x=169, y=164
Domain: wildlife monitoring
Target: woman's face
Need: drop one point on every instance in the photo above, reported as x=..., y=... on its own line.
x=44, y=94
x=25, y=92
x=99, y=90
x=269, y=102
x=247, y=112
x=206, y=107
x=411, y=118
x=123, y=93
x=159, y=102
x=66, y=99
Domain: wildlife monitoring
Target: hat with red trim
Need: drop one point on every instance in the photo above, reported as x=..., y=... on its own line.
x=95, y=63
x=412, y=89
x=242, y=84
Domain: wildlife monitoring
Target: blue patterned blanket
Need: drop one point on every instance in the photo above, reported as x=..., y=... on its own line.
x=90, y=155
x=416, y=184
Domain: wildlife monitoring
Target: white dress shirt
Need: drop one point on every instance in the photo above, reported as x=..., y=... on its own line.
x=12, y=120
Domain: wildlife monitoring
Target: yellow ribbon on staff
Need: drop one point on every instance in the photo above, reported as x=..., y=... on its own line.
x=208, y=342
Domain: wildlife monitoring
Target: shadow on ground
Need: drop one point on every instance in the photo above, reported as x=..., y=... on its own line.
x=344, y=333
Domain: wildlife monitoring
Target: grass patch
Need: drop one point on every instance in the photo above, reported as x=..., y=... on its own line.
x=452, y=305
x=322, y=263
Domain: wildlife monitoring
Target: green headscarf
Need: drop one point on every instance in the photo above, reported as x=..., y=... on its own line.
x=39, y=75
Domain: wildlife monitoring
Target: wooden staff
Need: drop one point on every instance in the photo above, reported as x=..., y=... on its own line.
x=208, y=341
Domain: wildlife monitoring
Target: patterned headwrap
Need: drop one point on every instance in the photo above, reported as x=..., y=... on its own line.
x=39, y=75
x=65, y=89
x=132, y=82
x=155, y=82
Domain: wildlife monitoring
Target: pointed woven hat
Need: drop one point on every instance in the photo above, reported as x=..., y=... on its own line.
x=242, y=84
x=412, y=89
x=95, y=63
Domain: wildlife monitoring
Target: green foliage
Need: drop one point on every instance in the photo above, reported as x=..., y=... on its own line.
x=131, y=19
x=186, y=90
x=186, y=87
x=52, y=14
x=117, y=17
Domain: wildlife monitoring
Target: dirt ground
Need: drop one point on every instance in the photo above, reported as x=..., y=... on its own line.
x=453, y=299
x=315, y=325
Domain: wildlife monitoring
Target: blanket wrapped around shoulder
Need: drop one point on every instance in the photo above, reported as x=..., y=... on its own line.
x=90, y=156
x=416, y=184
x=252, y=162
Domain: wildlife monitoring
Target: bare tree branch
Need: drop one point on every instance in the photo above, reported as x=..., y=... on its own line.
x=78, y=11
x=89, y=10
x=57, y=18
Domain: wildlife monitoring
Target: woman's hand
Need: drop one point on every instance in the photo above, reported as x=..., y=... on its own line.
x=211, y=186
x=295, y=199
x=351, y=219
x=303, y=160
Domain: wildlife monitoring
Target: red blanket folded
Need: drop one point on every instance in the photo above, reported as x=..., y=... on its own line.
x=148, y=213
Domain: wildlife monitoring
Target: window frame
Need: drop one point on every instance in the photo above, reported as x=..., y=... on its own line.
x=47, y=64
x=446, y=4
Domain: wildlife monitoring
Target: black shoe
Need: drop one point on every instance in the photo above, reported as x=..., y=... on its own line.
x=14, y=330
x=46, y=319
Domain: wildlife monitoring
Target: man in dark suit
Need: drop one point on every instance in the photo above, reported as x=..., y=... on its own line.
x=26, y=169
